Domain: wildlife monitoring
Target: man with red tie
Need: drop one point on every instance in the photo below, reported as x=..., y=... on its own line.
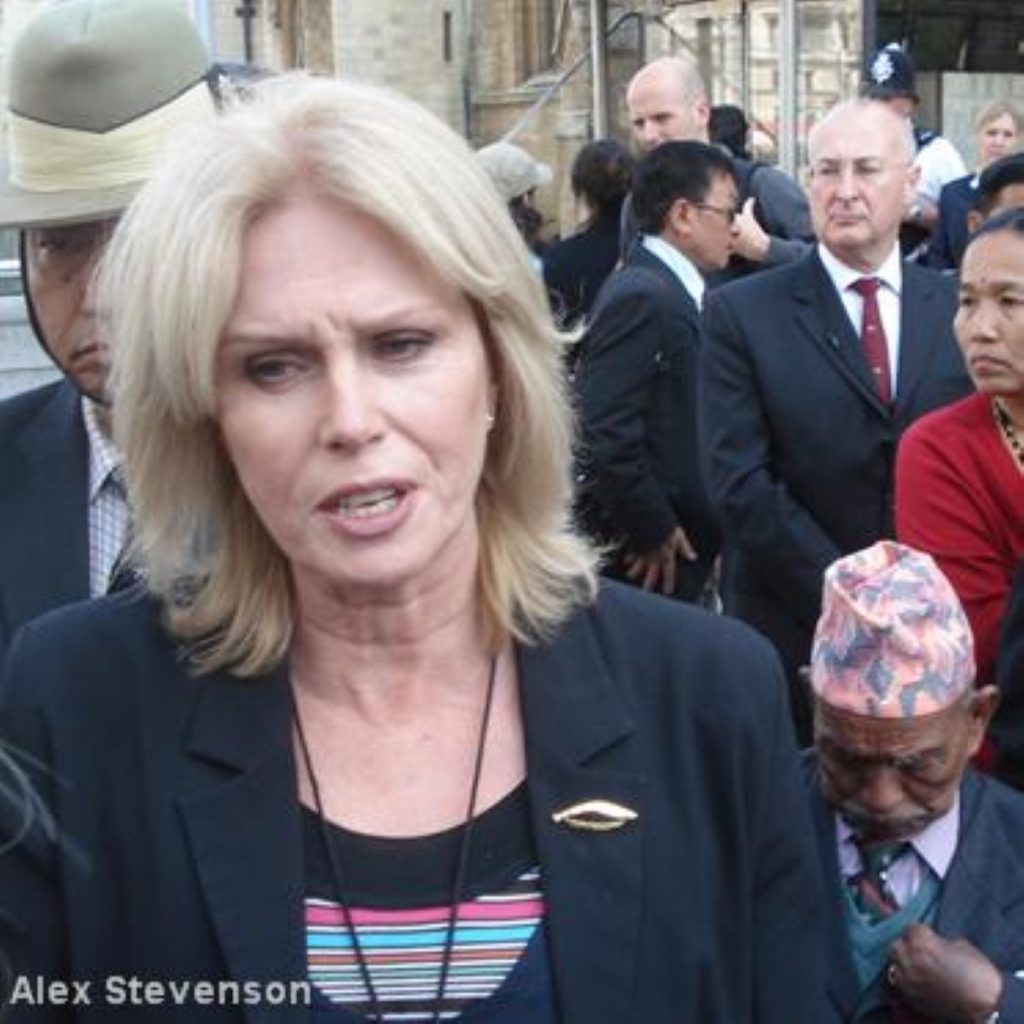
x=923, y=857
x=811, y=373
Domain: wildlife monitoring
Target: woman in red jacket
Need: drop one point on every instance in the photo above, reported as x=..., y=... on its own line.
x=960, y=470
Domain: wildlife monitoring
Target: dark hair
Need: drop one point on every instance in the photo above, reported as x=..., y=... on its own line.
x=601, y=174
x=1006, y=171
x=1011, y=220
x=728, y=127
x=674, y=170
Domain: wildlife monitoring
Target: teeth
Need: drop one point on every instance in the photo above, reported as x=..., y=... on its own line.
x=368, y=503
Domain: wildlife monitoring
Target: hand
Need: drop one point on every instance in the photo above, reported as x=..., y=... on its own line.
x=748, y=237
x=659, y=566
x=945, y=978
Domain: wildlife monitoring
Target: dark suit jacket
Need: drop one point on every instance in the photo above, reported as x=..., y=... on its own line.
x=949, y=236
x=637, y=387
x=576, y=267
x=1008, y=724
x=798, y=447
x=178, y=794
x=982, y=896
x=44, y=518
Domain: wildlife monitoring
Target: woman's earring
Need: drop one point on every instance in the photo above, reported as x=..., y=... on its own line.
x=489, y=419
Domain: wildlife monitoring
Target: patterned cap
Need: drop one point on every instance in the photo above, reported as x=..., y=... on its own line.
x=892, y=640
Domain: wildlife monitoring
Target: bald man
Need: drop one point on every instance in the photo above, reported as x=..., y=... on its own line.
x=923, y=857
x=667, y=100
x=809, y=377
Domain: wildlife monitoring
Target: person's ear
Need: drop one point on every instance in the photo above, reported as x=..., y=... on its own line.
x=983, y=704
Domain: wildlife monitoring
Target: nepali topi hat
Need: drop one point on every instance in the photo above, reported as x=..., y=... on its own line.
x=95, y=89
x=892, y=640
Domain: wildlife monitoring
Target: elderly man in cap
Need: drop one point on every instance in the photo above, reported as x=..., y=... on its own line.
x=96, y=88
x=926, y=857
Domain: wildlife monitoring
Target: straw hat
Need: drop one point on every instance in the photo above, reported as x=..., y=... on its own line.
x=95, y=88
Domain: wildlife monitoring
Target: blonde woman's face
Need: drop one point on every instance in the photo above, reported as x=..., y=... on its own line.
x=353, y=398
x=996, y=138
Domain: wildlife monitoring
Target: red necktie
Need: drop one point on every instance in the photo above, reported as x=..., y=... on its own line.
x=872, y=336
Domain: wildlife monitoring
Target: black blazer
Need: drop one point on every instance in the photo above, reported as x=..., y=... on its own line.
x=1008, y=723
x=949, y=236
x=637, y=389
x=982, y=897
x=798, y=448
x=44, y=503
x=183, y=855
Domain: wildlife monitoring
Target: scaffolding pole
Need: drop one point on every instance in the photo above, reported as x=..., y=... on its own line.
x=788, y=99
x=599, y=66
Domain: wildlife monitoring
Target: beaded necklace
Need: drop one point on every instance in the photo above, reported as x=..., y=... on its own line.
x=1009, y=431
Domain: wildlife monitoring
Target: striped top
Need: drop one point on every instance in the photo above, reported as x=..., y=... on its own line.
x=399, y=899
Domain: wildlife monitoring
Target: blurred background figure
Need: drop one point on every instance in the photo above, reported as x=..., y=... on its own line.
x=960, y=470
x=728, y=127
x=575, y=268
x=997, y=128
x=891, y=79
x=516, y=175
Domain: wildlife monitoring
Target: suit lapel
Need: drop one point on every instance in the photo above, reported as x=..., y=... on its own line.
x=982, y=885
x=675, y=288
x=919, y=333
x=842, y=978
x=44, y=515
x=820, y=315
x=245, y=833
x=592, y=879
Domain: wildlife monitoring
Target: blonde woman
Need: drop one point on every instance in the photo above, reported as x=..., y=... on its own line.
x=997, y=128
x=376, y=732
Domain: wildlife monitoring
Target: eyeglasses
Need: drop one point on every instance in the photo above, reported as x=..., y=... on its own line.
x=727, y=213
x=58, y=253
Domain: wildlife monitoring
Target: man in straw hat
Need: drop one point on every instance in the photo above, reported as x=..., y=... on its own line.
x=96, y=87
x=926, y=856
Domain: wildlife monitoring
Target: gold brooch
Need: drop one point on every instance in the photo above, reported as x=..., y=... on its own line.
x=595, y=816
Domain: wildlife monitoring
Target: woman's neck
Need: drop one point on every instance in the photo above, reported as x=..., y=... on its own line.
x=383, y=658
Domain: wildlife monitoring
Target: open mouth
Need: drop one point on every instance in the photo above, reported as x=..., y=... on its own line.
x=363, y=504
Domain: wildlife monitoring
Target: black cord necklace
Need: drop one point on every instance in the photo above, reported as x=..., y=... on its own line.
x=459, y=875
x=1009, y=431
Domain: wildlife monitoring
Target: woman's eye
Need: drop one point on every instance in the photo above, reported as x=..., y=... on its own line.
x=401, y=347
x=272, y=369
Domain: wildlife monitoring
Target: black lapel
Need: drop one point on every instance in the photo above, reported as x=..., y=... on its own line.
x=646, y=260
x=841, y=974
x=983, y=881
x=821, y=316
x=593, y=880
x=245, y=833
x=920, y=332
x=44, y=525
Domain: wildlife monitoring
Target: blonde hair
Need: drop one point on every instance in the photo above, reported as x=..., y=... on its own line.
x=169, y=281
x=993, y=111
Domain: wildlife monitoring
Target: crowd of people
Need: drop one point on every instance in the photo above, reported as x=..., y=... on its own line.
x=402, y=619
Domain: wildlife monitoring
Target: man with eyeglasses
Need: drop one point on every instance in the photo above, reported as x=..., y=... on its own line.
x=96, y=89
x=812, y=372
x=641, y=491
